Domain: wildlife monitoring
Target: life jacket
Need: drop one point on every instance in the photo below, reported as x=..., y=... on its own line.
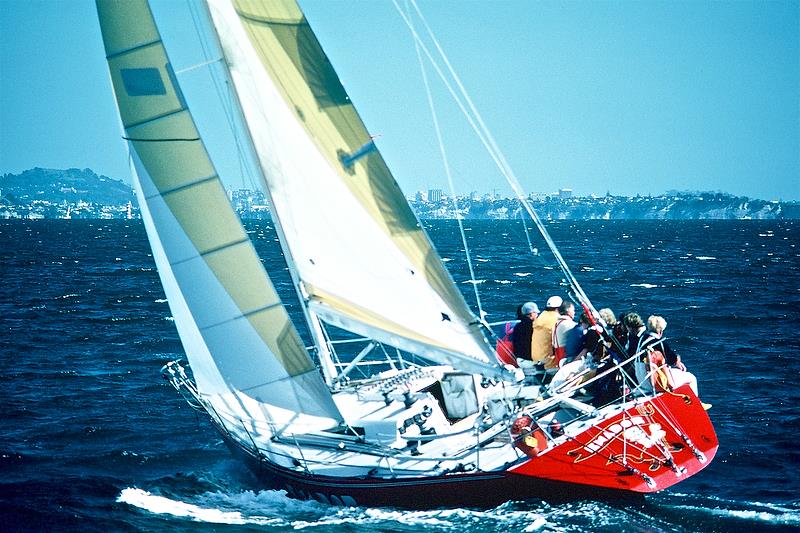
x=542, y=338
x=658, y=369
x=504, y=348
x=560, y=352
x=660, y=375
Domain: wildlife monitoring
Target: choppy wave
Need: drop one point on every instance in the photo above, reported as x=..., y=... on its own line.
x=729, y=514
x=162, y=505
x=787, y=517
x=95, y=336
x=273, y=508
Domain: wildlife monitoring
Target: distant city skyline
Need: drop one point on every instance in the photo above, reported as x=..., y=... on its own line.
x=83, y=194
x=620, y=97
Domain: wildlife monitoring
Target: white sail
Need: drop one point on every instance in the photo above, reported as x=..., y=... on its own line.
x=361, y=255
x=236, y=333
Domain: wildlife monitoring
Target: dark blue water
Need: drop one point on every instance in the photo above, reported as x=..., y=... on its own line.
x=91, y=439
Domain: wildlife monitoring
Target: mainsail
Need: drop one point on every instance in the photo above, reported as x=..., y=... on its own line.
x=236, y=333
x=363, y=261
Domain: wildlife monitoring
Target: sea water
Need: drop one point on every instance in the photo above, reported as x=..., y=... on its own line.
x=92, y=439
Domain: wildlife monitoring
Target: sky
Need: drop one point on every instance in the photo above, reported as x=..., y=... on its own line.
x=617, y=97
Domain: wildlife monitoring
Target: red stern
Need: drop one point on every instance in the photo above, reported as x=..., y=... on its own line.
x=647, y=448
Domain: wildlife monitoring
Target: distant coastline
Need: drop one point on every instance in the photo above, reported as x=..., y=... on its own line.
x=73, y=193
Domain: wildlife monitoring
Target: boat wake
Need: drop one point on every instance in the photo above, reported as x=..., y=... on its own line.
x=165, y=506
x=728, y=514
x=274, y=509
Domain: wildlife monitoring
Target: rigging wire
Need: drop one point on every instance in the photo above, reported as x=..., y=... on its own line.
x=449, y=175
x=482, y=131
x=224, y=94
x=534, y=251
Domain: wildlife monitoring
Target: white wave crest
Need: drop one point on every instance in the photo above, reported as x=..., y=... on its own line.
x=644, y=285
x=273, y=508
x=161, y=505
x=774, y=515
x=268, y=507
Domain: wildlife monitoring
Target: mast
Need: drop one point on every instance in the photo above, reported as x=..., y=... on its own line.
x=361, y=256
x=312, y=321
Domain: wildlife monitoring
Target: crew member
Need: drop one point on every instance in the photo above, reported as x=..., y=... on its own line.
x=561, y=332
x=542, y=338
x=522, y=334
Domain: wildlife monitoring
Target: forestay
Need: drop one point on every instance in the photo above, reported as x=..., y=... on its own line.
x=236, y=333
x=363, y=260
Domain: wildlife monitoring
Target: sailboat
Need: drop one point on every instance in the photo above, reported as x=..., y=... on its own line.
x=400, y=399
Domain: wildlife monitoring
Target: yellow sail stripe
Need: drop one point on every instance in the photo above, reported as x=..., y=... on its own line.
x=166, y=140
x=291, y=54
x=365, y=316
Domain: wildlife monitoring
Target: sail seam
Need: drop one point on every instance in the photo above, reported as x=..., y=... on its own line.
x=210, y=251
x=260, y=309
x=132, y=49
x=224, y=246
x=179, y=188
x=242, y=315
x=279, y=380
x=154, y=118
x=165, y=140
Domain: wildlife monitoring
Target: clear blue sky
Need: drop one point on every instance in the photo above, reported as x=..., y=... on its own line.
x=626, y=97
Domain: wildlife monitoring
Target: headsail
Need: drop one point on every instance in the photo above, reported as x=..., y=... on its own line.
x=236, y=333
x=364, y=261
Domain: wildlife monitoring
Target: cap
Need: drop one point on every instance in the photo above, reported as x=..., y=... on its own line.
x=529, y=307
x=554, y=301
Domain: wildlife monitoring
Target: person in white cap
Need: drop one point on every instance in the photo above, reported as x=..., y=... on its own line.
x=542, y=338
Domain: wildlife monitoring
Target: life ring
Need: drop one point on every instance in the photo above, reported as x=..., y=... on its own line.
x=528, y=437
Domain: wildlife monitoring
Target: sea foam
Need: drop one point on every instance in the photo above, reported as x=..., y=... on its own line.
x=161, y=505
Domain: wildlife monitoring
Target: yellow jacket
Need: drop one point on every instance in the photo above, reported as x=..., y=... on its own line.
x=542, y=338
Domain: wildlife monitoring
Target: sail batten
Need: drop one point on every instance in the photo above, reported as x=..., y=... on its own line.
x=153, y=119
x=236, y=333
x=200, y=181
x=355, y=237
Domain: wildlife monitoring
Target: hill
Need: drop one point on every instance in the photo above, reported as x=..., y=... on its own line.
x=57, y=186
x=75, y=193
